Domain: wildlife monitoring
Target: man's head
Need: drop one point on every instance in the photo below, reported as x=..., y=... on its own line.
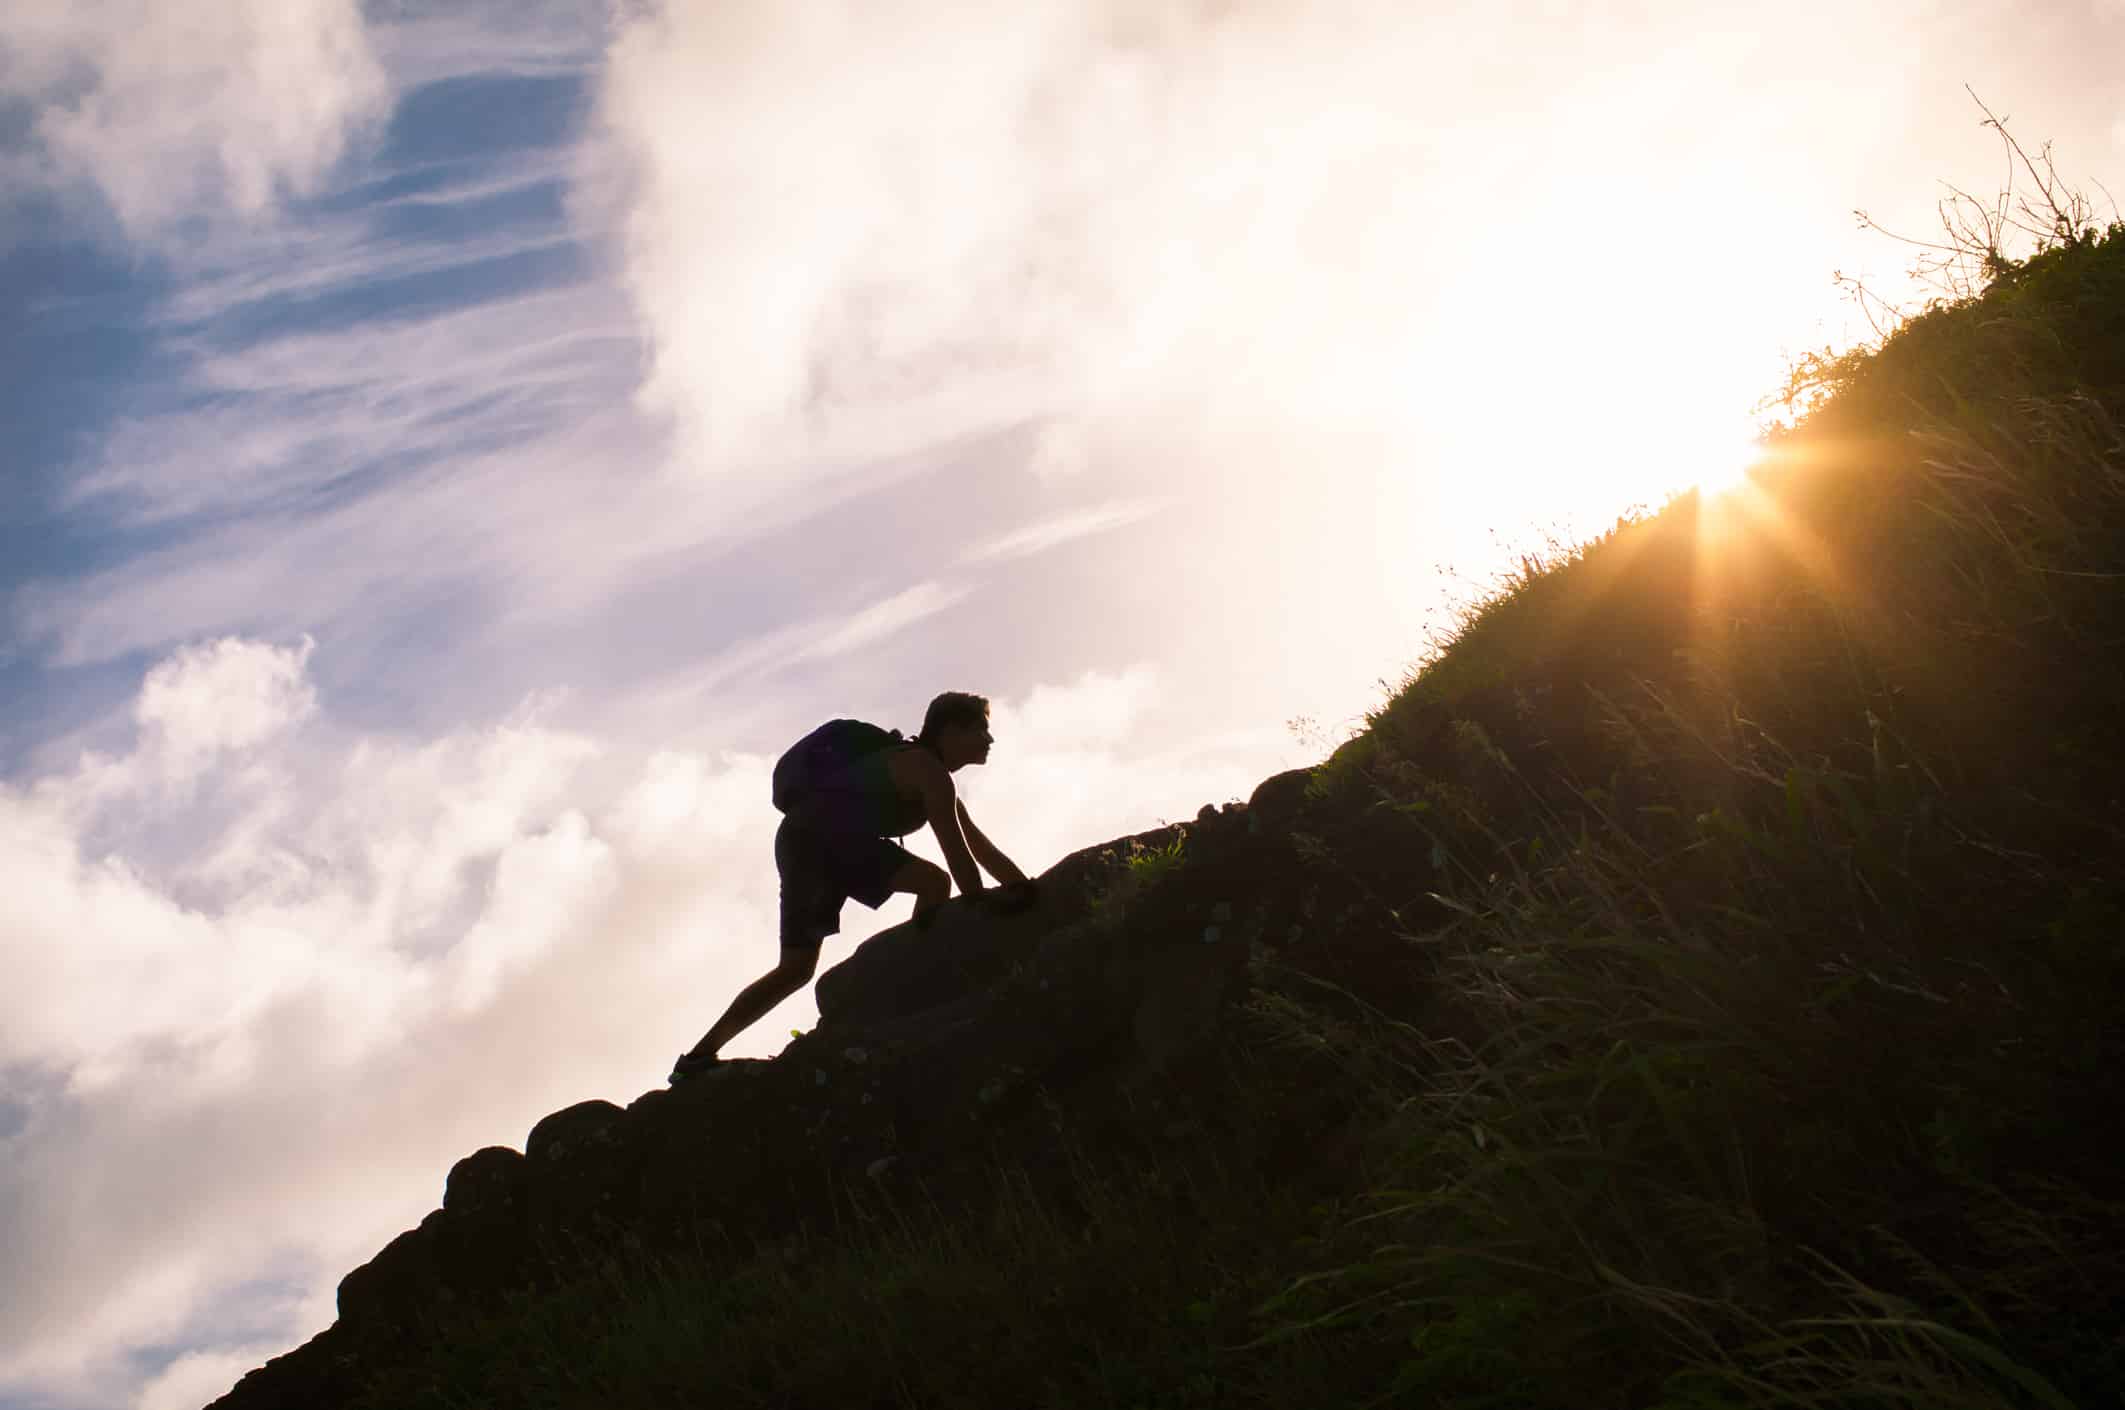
x=956, y=729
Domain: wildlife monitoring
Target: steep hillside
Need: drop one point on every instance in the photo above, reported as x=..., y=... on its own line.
x=1698, y=986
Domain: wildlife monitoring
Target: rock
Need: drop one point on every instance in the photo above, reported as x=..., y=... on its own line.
x=934, y=1047
x=907, y=968
x=1279, y=799
x=561, y=1131
x=488, y=1177
x=393, y=1289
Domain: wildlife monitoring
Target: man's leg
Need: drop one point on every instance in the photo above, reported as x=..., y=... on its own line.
x=932, y=886
x=811, y=910
x=756, y=998
x=931, y=883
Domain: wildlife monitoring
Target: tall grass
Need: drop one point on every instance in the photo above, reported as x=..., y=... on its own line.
x=1778, y=846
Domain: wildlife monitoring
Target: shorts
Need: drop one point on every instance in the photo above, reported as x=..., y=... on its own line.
x=821, y=867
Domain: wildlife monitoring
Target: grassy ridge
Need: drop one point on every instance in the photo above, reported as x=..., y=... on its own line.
x=1737, y=1024
x=1782, y=847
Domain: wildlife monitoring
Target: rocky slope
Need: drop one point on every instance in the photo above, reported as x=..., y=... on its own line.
x=935, y=1048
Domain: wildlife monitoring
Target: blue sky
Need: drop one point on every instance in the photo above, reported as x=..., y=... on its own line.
x=453, y=447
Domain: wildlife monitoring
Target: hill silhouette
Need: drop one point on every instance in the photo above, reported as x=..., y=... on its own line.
x=1698, y=986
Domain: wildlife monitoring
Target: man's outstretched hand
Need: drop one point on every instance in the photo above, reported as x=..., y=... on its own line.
x=1010, y=900
x=1007, y=900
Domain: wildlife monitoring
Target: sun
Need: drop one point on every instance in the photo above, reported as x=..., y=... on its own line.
x=1725, y=467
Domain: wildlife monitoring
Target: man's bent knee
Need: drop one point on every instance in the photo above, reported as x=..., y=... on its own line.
x=931, y=883
x=797, y=966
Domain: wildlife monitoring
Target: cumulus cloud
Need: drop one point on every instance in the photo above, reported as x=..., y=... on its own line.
x=249, y=1024
x=179, y=111
x=1354, y=285
x=1349, y=240
x=384, y=911
x=838, y=209
x=226, y=695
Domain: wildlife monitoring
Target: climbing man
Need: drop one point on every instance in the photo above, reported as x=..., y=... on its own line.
x=846, y=791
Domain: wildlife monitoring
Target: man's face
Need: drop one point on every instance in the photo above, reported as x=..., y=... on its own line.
x=972, y=743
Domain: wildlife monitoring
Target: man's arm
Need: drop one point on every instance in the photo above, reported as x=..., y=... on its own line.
x=993, y=861
x=943, y=809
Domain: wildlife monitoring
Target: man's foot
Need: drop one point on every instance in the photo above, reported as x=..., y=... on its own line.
x=691, y=1065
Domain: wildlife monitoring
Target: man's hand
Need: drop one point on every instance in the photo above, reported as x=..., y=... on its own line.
x=1011, y=899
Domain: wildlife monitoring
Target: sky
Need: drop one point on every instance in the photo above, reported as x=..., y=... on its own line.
x=452, y=448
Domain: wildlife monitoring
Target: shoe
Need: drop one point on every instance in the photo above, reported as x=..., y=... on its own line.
x=689, y=1065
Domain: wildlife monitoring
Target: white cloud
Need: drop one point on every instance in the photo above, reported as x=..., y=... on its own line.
x=396, y=899
x=226, y=695
x=196, y=1378
x=1096, y=710
x=437, y=943
x=836, y=209
x=180, y=111
x=1212, y=240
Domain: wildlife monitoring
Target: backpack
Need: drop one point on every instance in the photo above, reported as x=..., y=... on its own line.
x=827, y=751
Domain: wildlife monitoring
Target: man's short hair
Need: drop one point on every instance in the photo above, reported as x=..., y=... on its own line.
x=954, y=707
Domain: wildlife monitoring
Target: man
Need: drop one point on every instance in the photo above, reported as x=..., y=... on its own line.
x=837, y=843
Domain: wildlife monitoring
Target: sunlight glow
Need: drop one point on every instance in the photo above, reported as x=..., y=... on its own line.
x=1726, y=468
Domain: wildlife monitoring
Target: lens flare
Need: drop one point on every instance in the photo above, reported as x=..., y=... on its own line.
x=1728, y=467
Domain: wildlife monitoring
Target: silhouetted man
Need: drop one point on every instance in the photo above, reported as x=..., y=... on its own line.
x=837, y=842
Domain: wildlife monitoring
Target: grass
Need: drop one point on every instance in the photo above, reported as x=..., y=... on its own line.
x=1781, y=848
x=1132, y=872
x=1758, y=861
x=1126, y=1292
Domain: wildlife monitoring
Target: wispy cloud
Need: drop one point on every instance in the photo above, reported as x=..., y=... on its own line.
x=1052, y=533
x=372, y=392
x=425, y=43
x=760, y=656
x=284, y=273
x=881, y=620
x=272, y=425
